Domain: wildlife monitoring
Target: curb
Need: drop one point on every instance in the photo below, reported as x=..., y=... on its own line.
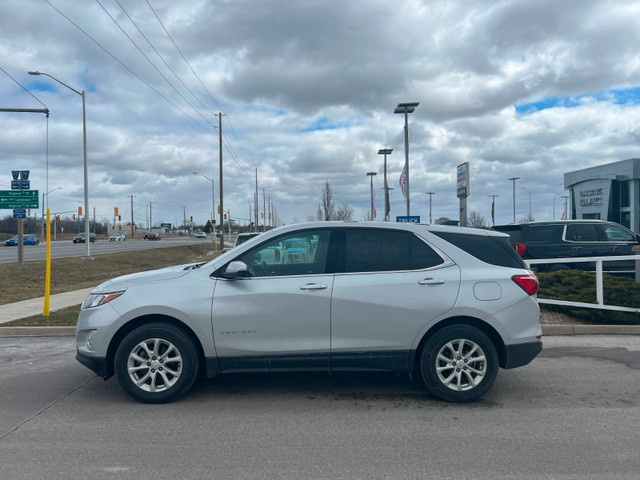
x=547, y=330
x=37, y=331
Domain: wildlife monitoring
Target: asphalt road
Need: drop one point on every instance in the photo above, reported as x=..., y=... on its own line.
x=574, y=413
x=66, y=248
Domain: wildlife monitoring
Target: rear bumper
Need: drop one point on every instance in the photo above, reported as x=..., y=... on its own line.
x=522, y=353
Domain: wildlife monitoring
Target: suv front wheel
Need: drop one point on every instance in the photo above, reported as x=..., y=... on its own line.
x=459, y=363
x=157, y=363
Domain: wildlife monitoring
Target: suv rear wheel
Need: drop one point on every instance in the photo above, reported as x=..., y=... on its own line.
x=157, y=363
x=459, y=363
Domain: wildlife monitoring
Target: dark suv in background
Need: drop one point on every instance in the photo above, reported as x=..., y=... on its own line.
x=572, y=238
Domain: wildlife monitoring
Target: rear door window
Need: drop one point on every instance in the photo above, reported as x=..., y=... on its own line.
x=377, y=250
x=582, y=232
x=611, y=233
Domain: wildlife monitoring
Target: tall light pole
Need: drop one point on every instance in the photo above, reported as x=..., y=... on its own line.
x=529, y=201
x=493, y=208
x=406, y=108
x=84, y=145
x=371, y=175
x=387, y=207
x=513, y=179
x=43, y=219
x=213, y=200
x=431, y=194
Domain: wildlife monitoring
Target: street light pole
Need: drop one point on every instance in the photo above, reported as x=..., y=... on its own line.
x=213, y=200
x=387, y=207
x=406, y=108
x=431, y=194
x=529, y=202
x=513, y=179
x=371, y=175
x=84, y=148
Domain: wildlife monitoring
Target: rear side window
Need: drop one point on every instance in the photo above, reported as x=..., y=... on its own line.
x=378, y=250
x=544, y=233
x=611, y=233
x=582, y=232
x=489, y=249
x=514, y=231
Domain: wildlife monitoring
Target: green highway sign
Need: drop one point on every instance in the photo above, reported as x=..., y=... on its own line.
x=18, y=199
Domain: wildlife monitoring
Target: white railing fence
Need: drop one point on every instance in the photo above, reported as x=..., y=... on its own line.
x=598, y=277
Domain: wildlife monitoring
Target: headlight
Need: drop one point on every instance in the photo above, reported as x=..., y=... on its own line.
x=100, y=299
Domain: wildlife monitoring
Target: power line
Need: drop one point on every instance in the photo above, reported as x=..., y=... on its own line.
x=126, y=67
x=23, y=87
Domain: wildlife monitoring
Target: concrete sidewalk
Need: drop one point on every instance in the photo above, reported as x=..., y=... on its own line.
x=30, y=308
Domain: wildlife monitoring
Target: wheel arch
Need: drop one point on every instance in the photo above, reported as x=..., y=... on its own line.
x=481, y=325
x=131, y=325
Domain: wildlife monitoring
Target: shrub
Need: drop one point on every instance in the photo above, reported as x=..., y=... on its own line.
x=578, y=286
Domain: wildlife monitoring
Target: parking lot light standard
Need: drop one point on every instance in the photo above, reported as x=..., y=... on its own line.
x=385, y=152
x=513, y=179
x=84, y=145
x=406, y=108
x=371, y=175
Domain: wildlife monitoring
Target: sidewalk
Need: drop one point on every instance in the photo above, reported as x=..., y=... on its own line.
x=29, y=308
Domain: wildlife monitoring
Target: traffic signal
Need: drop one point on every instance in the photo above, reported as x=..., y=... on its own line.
x=191, y=218
x=79, y=211
x=218, y=209
x=119, y=217
x=225, y=216
x=115, y=211
x=73, y=217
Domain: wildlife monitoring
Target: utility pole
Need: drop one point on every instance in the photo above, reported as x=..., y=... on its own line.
x=431, y=194
x=221, y=196
x=255, y=204
x=264, y=209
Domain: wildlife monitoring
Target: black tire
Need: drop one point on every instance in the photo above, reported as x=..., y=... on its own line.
x=454, y=381
x=167, y=375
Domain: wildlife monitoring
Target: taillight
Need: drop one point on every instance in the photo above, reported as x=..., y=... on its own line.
x=520, y=248
x=529, y=283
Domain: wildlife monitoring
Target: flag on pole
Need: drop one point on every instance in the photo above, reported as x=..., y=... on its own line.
x=403, y=182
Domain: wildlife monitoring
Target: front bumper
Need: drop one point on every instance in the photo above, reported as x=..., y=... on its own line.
x=96, y=364
x=522, y=353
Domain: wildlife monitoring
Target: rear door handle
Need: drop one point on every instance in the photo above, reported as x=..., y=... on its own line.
x=431, y=281
x=312, y=286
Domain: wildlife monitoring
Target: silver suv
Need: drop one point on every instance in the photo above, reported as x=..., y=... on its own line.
x=449, y=305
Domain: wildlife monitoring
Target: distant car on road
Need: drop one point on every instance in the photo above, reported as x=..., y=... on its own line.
x=82, y=238
x=28, y=239
x=199, y=235
x=153, y=236
x=118, y=237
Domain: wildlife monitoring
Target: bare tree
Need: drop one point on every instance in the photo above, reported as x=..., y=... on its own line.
x=326, y=209
x=476, y=220
x=526, y=219
x=345, y=212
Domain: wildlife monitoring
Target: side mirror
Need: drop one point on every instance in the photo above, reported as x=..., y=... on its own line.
x=236, y=269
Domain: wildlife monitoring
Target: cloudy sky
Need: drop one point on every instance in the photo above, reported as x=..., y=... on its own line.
x=517, y=88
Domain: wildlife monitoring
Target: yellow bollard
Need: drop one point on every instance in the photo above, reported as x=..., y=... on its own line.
x=47, y=278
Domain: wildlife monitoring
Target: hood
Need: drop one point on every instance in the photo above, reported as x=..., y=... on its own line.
x=121, y=283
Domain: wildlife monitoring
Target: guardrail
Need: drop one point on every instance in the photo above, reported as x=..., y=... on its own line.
x=599, y=282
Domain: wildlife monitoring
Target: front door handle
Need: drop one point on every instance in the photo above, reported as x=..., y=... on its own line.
x=431, y=281
x=312, y=286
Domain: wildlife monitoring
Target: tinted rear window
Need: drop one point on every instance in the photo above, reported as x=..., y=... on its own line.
x=514, y=231
x=489, y=249
x=544, y=233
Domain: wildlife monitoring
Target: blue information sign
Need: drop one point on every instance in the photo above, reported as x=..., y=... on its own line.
x=408, y=219
x=19, y=213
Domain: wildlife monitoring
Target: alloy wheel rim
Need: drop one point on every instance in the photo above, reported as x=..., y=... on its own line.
x=461, y=365
x=154, y=365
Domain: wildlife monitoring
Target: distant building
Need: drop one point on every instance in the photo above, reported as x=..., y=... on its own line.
x=608, y=192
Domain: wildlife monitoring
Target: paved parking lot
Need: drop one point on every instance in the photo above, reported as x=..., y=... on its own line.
x=572, y=414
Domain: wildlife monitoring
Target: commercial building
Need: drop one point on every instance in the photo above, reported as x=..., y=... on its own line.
x=607, y=192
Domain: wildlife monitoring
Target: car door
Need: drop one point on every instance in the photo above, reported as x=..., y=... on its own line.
x=389, y=284
x=278, y=317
